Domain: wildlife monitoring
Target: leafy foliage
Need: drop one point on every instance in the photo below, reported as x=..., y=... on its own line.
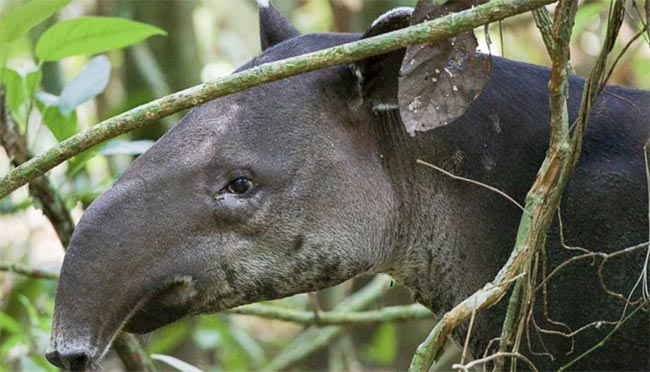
x=90, y=35
x=17, y=23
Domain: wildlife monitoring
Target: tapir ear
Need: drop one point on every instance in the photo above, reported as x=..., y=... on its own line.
x=274, y=28
x=377, y=75
x=432, y=84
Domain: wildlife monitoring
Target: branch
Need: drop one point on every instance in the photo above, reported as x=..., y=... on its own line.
x=386, y=314
x=141, y=116
x=27, y=271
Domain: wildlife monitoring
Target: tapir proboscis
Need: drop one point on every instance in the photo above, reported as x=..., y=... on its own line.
x=300, y=184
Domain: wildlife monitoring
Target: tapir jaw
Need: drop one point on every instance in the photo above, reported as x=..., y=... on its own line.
x=76, y=346
x=171, y=303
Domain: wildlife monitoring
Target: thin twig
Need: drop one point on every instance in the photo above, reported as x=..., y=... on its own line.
x=494, y=189
x=27, y=271
x=469, y=335
x=618, y=58
x=601, y=342
x=467, y=367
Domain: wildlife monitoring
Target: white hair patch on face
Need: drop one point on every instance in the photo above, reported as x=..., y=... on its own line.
x=384, y=107
x=401, y=11
x=263, y=3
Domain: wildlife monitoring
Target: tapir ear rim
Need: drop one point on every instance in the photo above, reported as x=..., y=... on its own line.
x=376, y=76
x=274, y=28
x=412, y=81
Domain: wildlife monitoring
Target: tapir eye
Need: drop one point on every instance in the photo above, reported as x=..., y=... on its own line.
x=240, y=185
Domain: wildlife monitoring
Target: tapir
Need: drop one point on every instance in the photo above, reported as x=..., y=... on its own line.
x=300, y=184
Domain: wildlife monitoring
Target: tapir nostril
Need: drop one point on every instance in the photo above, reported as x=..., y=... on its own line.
x=78, y=361
x=72, y=361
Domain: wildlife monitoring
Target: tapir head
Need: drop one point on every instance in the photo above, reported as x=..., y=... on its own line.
x=266, y=193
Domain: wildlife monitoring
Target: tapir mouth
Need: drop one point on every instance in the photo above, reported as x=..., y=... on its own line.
x=163, y=306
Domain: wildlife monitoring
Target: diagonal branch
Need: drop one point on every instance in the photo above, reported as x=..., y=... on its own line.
x=438, y=29
x=127, y=346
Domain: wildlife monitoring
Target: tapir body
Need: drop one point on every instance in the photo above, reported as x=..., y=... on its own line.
x=302, y=183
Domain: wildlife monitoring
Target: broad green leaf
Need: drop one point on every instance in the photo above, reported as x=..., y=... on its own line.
x=91, y=35
x=91, y=81
x=9, y=324
x=22, y=19
x=13, y=341
x=33, y=79
x=61, y=126
x=121, y=147
x=585, y=15
x=20, y=88
x=253, y=349
x=13, y=83
x=383, y=348
x=77, y=162
x=168, y=338
x=176, y=363
x=32, y=313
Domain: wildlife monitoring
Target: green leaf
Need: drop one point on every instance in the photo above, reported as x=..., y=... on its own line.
x=61, y=126
x=32, y=313
x=91, y=81
x=33, y=79
x=91, y=35
x=13, y=341
x=252, y=348
x=13, y=83
x=168, y=338
x=9, y=324
x=22, y=19
x=383, y=348
x=585, y=15
x=176, y=363
x=77, y=162
x=20, y=88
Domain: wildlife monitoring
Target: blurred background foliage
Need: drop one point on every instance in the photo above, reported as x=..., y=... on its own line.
x=207, y=39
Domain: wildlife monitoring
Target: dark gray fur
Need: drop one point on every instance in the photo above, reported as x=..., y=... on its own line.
x=338, y=194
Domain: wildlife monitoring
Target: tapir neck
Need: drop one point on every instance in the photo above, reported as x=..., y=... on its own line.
x=450, y=237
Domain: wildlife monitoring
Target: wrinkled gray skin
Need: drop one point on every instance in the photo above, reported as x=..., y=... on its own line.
x=337, y=193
